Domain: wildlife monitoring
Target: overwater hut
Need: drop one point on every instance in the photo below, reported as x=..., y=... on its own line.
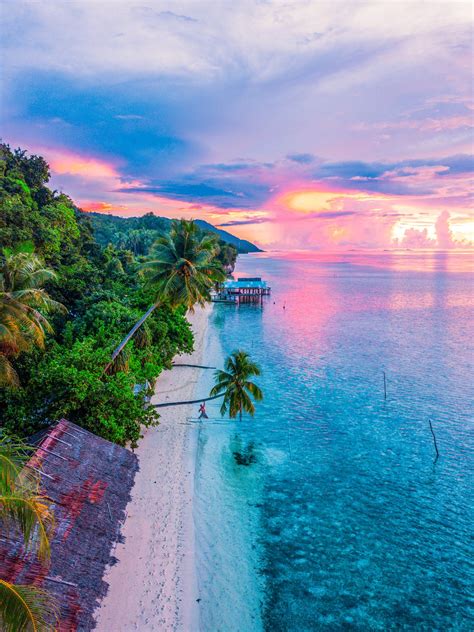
x=244, y=289
x=89, y=481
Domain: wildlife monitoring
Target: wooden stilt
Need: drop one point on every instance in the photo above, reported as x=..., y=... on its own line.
x=434, y=439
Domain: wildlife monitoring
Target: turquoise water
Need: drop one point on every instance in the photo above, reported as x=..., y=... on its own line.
x=345, y=521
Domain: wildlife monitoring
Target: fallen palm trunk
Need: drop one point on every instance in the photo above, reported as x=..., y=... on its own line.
x=195, y=366
x=192, y=401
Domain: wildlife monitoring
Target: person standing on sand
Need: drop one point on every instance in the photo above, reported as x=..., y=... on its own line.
x=202, y=411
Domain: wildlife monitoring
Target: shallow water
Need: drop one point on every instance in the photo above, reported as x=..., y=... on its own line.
x=346, y=521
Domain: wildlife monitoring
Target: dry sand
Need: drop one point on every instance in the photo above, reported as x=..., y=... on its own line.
x=153, y=585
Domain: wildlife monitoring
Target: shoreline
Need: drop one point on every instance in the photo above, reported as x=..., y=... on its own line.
x=153, y=584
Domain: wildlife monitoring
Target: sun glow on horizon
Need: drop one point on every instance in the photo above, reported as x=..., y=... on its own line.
x=316, y=200
x=463, y=230
x=309, y=201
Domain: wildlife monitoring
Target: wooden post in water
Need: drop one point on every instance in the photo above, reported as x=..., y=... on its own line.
x=384, y=386
x=434, y=438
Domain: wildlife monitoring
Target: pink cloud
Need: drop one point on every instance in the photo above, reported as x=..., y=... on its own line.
x=414, y=175
x=68, y=163
x=430, y=124
x=414, y=238
x=444, y=235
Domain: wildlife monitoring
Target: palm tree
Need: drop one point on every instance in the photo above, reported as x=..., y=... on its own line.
x=235, y=385
x=23, y=305
x=182, y=271
x=25, y=509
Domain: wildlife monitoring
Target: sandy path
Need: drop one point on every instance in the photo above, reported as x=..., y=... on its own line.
x=153, y=585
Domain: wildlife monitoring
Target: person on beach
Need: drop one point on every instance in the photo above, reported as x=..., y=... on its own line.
x=202, y=411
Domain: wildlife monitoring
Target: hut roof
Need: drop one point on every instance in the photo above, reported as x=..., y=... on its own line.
x=89, y=481
x=245, y=283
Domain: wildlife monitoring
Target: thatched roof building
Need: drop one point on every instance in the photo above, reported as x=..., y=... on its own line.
x=89, y=479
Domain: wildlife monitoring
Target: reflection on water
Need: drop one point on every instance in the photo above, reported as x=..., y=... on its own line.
x=349, y=522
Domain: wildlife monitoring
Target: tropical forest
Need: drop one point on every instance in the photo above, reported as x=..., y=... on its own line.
x=72, y=284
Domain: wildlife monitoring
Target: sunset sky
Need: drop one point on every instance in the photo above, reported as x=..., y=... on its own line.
x=297, y=125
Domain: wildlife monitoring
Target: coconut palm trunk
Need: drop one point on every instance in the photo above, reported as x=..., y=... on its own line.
x=130, y=335
x=182, y=270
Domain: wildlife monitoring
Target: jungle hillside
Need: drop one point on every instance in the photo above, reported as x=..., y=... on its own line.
x=86, y=269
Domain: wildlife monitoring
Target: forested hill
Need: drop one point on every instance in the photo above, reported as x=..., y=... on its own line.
x=137, y=233
x=243, y=246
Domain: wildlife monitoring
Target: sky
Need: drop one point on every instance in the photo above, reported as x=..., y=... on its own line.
x=297, y=125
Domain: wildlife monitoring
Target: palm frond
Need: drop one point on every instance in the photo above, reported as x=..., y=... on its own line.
x=23, y=305
x=182, y=268
x=39, y=298
x=233, y=382
x=8, y=375
x=254, y=390
x=11, y=465
x=32, y=514
x=14, y=455
x=120, y=363
x=26, y=609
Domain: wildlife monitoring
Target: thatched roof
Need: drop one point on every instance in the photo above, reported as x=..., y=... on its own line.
x=89, y=479
x=245, y=283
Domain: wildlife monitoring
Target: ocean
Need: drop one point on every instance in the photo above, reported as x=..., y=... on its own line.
x=345, y=519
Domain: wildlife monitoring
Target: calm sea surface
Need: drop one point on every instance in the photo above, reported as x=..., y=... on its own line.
x=345, y=520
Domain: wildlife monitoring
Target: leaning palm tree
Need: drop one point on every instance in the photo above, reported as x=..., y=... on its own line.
x=182, y=271
x=24, y=509
x=24, y=304
x=235, y=385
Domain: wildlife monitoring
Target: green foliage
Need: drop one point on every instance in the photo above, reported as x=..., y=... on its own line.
x=26, y=511
x=139, y=234
x=24, y=307
x=181, y=272
x=67, y=380
x=102, y=288
x=26, y=609
x=183, y=266
x=235, y=385
x=67, y=383
x=22, y=506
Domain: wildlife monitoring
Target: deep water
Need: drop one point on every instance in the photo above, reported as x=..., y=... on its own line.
x=345, y=520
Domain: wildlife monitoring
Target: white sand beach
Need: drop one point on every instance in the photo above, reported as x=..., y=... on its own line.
x=153, y=585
